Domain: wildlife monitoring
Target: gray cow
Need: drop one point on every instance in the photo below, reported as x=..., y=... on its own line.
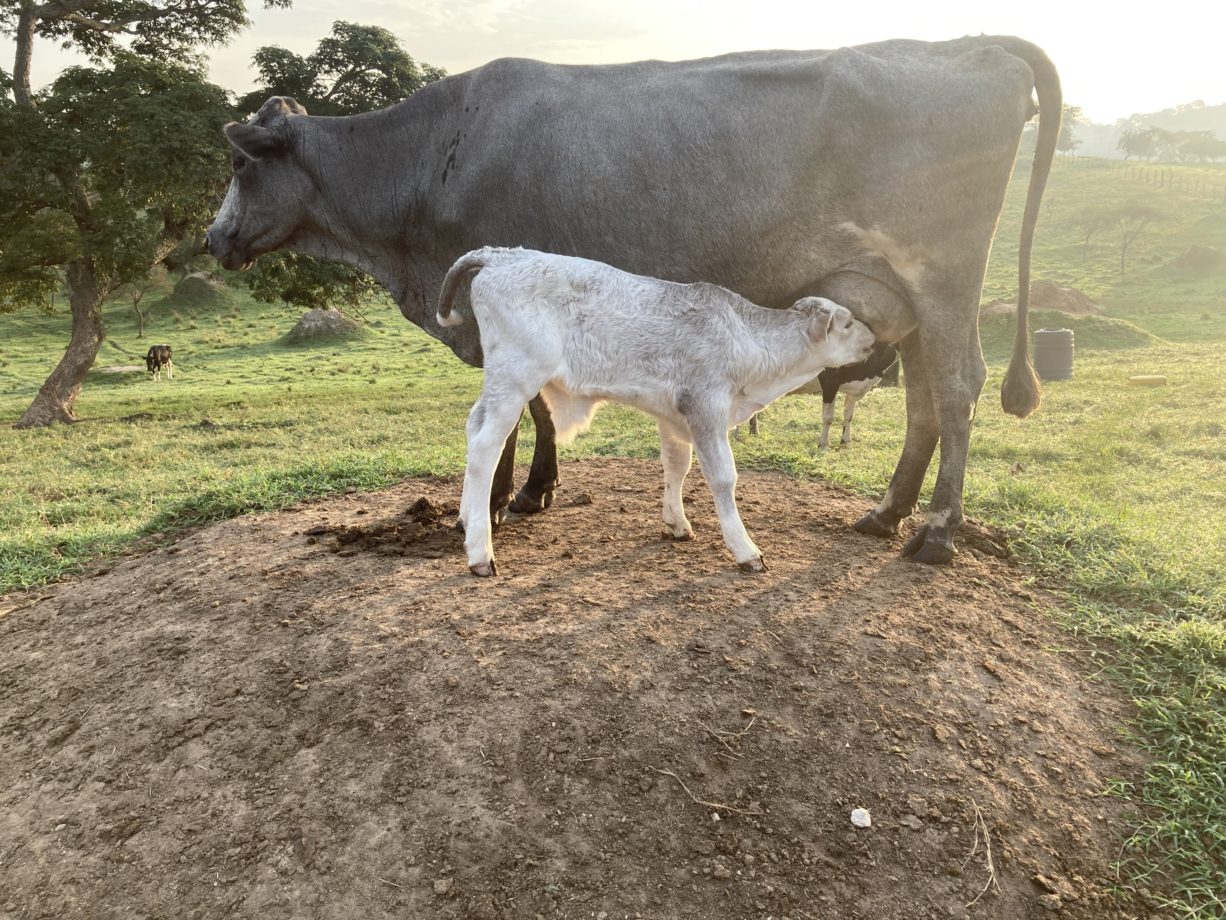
x=873, y=176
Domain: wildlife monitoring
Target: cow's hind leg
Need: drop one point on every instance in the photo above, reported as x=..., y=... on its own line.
x=920, y=442
x=503, y=487
x=537, y=493
x=956, y=376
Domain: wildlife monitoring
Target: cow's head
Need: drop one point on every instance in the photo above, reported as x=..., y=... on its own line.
x=269, y=191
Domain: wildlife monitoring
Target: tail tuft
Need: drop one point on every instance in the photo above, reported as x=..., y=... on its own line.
x=1020, y=394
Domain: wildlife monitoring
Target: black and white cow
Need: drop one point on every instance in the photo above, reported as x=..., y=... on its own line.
x=157, y=358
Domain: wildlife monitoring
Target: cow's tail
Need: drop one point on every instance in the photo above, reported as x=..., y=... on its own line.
x=467, y=264
x=1020, y=393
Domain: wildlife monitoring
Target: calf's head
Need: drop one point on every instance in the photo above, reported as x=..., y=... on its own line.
x=839, y=336
x=269, y=191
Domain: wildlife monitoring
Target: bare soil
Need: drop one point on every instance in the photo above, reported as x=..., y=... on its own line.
x=319, y=713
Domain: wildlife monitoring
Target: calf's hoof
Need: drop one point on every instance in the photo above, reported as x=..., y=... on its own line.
x=530, y=502
x=873, y=525
x=682, y=536
x=752, y=565
x=484, y=569
x=926, y=546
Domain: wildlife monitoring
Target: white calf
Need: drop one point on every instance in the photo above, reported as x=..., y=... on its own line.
x=696, y=356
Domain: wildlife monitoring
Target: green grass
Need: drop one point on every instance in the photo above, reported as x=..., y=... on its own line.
x=1115, y=495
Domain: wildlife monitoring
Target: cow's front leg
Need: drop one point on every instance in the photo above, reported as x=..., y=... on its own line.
x=827, y=421
x=537, y=493
x=918, y=445
x=849, y=410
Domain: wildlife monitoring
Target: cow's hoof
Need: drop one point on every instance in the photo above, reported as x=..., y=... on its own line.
x=484, y=569
x=684, y=537
x=874, y=526
x=927, y=548
x=752, y=565
x=528, y=503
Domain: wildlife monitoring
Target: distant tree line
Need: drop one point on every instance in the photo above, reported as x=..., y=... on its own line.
x=1165, y=146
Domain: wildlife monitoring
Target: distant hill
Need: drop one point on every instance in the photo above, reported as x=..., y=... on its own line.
x=1101, y=140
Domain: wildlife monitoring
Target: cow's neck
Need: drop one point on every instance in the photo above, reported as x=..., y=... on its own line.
x=375, y=218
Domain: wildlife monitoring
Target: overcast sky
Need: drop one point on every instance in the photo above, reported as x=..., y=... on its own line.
x=1112, y=62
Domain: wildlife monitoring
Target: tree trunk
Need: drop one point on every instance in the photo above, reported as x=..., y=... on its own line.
x=140, y=321
x=57, y=396
x=25, y=52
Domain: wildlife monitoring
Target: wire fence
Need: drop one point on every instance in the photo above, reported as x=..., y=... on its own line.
x=1187, y=180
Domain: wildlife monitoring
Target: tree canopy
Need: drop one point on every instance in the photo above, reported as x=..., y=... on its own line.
x=355, y=69
x=148, y=132
x=105, y=172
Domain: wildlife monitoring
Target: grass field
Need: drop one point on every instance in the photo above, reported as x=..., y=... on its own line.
x=1114, y=494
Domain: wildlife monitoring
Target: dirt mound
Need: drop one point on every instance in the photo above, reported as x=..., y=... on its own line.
x=425, y=530
x=199, y=290
x=1200, y=260
x=322, y=324
x=1047, y=295
x=270, y=719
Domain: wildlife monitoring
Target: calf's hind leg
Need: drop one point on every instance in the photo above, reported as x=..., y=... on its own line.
x=676, y=456
x=490, y=423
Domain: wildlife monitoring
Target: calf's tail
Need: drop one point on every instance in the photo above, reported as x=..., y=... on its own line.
x=1020, y=393
x=467, y=264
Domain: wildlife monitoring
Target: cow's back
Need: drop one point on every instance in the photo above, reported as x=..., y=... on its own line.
x=750, y=170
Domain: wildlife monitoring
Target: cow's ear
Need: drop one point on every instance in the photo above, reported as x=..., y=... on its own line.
x=277, y=108
x=254, y=142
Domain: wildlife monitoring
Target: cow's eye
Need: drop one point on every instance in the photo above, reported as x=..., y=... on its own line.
x=239, y=163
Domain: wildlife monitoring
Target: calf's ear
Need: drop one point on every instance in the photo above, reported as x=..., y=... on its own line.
x=821, y=324
x=254, y=142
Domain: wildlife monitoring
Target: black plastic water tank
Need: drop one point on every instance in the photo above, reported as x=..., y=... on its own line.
x=1053, y=354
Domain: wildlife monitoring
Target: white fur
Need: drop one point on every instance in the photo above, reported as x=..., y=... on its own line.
x=697, y=357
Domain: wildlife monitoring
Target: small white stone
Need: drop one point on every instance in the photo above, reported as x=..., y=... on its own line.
x=861, y=818
x=715, y=816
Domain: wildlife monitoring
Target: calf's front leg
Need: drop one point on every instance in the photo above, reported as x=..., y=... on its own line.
x=719, y=469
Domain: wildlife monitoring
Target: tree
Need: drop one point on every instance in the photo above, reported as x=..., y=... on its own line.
x=1067, y=142
x=1132, y=218
x=136, y=289
x=1198, y=146
x=355, y=69
x=1091, y=220
x=104, y=173
x=1138, y=142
